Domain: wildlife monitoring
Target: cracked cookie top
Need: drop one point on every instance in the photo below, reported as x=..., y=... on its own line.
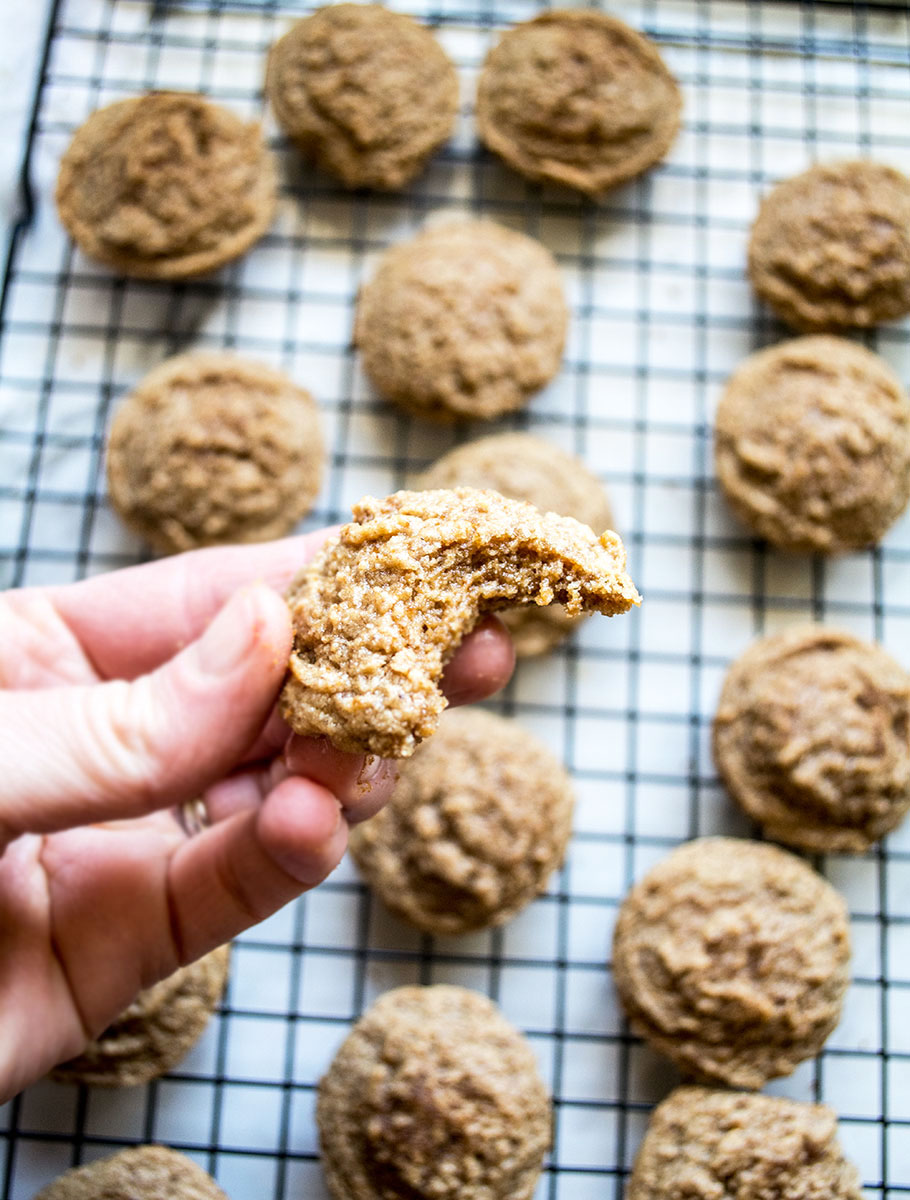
x=479, y=819
x=812, y=738
x=710, y=1144
x=812, y=445
x=368, y=93
x=466, y=320
x=211, y=449
x=830, y=248
x=732, y=958
x=433, y=1094
x=166, y=185
x=577, y=97
x=379, y=611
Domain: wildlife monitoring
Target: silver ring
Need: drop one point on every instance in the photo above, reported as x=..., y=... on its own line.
x=192, y=817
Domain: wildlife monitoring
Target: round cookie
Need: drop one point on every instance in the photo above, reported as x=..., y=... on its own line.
x=707, y=1144
x=479, y=819
x=830, y=248
x=467, y=320
x=525, y=467
x=812, y=738
x=166, y=186
x=157, y=1030
x=433, y=1094
x=732, y=958
x=812, y=445
x=368, y=93
x=140, y=1173
x=211, y=449
x=577, y=97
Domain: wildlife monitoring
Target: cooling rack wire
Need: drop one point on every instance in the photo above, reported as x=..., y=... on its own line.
x=660, y=315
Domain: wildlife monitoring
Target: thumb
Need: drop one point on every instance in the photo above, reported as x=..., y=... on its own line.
x=78, y=755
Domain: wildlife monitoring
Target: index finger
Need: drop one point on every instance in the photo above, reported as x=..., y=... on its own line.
x=129, y=622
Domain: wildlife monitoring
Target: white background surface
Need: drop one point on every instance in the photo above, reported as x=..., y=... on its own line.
x=661, y=313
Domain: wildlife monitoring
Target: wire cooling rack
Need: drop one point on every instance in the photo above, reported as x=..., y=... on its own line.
x=661, y=314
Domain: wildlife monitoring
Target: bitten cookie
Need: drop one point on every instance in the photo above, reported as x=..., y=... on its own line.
x=433, y=1094
x=366, y=92
x=732, y=958
x=707, y=1144
x=379, y=611
x=158, y=1029
x=211, y=449
x=830, y=248
x=524, y=467
x=812, y=738
x=577, y=97
x=140, y=1173
x=467, y=320
x=479, y=819
x=812, y=445
x=166, y=186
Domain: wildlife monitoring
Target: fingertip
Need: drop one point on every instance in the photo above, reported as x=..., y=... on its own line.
x=482, y=664
x=302, y=827
x=361, y=783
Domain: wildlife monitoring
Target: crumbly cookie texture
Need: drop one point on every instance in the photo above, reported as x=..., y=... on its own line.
x=211, y=449
x=166, y=186
x=467, y=320
x=830, y=248
x=579, y=98
x=812, y=738
x=379, y=611
x=479, y=819
x=157, y=1030
x=732, y=958
x=433, y=1094
x=524, y=467
x=140, y=1173
x=368, y=93
x=812, y=445
x=708, y=1144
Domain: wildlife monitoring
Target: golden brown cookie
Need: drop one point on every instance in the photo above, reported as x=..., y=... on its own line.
x=524, y=467
x=812, y=738
x=166, y=186
x=433, y=1094
x=812, y=445
x=467, y=320
x=732, y=958
x=211, y=449
x=479, y=820
x=830, y=248
x=577, y=97
x=140, y=1173
x=378, y=612
x=158, y=1029
x=708, y=1144
x=368, y=93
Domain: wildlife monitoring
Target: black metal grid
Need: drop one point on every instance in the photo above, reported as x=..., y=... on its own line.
x=661, y=313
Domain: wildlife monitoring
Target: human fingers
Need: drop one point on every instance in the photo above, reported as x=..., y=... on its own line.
x=481, y=665
x=79, y=755
x=242, y=869
x=129, y=622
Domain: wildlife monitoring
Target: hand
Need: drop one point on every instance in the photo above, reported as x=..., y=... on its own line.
x=121, y=697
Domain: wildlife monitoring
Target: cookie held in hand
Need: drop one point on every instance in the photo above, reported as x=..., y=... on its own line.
x=380, y=610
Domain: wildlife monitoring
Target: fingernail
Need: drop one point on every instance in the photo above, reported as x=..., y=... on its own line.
x=228, y=639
